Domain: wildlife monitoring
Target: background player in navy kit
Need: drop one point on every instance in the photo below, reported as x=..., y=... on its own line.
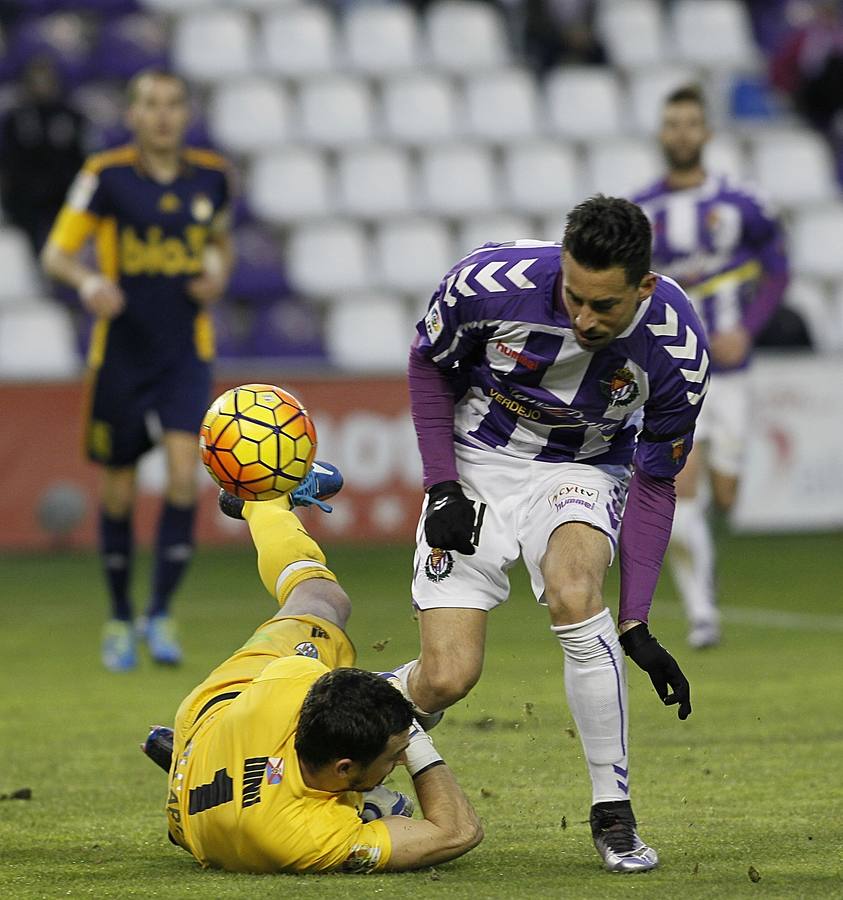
x=721, y=244
x=528, y=383
x=159, y=214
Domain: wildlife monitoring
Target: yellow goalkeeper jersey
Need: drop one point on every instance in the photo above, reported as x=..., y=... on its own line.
x=237, y=799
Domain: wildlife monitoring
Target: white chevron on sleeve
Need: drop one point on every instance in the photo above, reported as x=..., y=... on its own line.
x=671, y=324
x=696, y=376
x=486, y=276
x=516, y=274
x=461, y=286
x=450, y=299
x=693, y=398
x=688, y=350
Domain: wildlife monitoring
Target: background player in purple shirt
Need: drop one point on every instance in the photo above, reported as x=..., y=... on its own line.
x=158, y=212
x=721, y=244
x=531, y=376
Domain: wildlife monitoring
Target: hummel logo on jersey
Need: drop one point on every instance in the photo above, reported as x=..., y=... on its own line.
x=694, y=374
x=490, y=278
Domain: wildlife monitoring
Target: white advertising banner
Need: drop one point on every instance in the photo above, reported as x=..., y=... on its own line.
x=793, y=471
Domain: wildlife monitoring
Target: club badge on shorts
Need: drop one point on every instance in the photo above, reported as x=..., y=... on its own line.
x=621, y=388
x=438, y=564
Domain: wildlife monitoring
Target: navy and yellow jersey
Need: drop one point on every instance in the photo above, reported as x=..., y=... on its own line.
x=150, y=239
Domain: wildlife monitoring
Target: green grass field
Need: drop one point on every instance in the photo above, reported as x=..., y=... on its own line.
x=752, y=779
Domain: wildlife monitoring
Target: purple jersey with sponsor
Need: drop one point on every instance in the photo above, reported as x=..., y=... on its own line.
x=524, y=386
x=720, y=243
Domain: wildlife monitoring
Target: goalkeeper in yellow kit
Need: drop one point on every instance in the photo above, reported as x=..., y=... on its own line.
x=274, y=754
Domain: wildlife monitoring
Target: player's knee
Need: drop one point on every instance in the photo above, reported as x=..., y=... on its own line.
x=443, y=685
x=577, y=599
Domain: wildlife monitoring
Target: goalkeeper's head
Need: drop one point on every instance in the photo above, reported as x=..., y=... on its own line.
x=353, y=730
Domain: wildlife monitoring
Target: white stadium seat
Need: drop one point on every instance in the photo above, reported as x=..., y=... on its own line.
x=176, y=6
x=368, y=332
x=299, y=41
x=249, y=115
x=499, y=228
x=37, y=340
x=542, y=177
x=794, y=167
x=724, y=154
x=327, y=258
x=816, y=239
x=713, y=33
x=811, y=299
x=413, y=255
x=621, y=168
x=336, y=110
x=632, y=32
x=458, y=180
x=583, y=102
x=465, y=36
x=213, y=45
x=381, y=39
x=375, y=181
x=289, y=185
x=648, y=89
x=502, y=106
x=419, y=109
x=19, y=276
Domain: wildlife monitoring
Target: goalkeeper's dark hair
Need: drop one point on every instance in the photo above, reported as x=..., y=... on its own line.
x=350, y=714
x=604, y=232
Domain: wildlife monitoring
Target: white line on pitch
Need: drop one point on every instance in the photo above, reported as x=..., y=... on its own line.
x=763, y=618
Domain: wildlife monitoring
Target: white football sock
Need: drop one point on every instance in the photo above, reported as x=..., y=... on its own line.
x=402, y=673
x=691, y=560
x=595, y=683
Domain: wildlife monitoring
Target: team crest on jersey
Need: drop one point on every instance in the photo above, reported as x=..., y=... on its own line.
x=274, y=770
x=621, y=388
x=305, y=648
x=201, y=208
x=677, y=450
x=169, y=203
x=438, y=564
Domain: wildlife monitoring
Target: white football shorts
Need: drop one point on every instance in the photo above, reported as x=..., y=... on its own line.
x=723, y=423
x=518, y=503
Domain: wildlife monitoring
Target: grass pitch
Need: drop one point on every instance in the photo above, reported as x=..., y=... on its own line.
x=744, y=799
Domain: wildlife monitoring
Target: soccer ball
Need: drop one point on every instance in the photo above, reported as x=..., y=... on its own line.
x=257, y=441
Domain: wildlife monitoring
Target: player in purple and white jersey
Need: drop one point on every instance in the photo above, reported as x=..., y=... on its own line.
x=552, y=386
x=721, y=244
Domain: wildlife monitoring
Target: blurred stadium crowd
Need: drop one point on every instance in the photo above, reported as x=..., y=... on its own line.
x=378, y=142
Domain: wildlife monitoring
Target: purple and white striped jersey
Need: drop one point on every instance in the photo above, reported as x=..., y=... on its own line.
x=725, y=249
x=524, y=386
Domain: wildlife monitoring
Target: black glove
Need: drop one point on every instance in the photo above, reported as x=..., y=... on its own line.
x=647, y=653
x=449, y=520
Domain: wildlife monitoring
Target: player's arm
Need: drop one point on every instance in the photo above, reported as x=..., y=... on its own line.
x=77, y=221
x=763, y=232
x=218, y=255
x=450, y=826
x=441, y=342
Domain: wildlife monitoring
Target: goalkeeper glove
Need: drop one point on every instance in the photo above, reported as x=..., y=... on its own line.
x=381, y=801
x=648, y=654
x=449, y=520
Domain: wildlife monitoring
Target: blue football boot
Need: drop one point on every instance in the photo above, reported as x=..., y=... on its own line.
x=119, y=653
x=158, y=746
x=321, y=483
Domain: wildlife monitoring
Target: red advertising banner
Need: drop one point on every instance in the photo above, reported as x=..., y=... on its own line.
x=48, y=490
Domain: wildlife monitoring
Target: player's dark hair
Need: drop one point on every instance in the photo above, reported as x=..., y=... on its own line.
x=349, y=714
x=604, y=232
x=688, y=93
x=135, y=80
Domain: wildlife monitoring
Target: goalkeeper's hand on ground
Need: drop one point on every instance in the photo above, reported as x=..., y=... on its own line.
x=668, y=680
x=449, y=520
